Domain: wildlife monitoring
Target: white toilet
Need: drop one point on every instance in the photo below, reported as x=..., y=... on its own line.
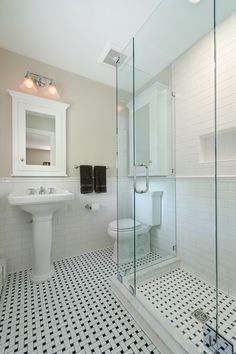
x=147, y=215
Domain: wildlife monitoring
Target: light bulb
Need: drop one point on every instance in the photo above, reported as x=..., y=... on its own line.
x=194, y=1
x=28, y=84
x=52, y=90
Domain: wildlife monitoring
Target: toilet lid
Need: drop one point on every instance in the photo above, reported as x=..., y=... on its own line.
x=124, y=224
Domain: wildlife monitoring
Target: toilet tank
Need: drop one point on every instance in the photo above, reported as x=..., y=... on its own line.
x=148, y=207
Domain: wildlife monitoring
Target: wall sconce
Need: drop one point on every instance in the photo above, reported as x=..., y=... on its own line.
x=32, y=81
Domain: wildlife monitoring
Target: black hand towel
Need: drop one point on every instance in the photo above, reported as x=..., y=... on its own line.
x=100, y=179
x=86, y=179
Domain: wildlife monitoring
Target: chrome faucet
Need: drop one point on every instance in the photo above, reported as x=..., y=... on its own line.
x=51, y=190
x=31, y=191
x=42, y=190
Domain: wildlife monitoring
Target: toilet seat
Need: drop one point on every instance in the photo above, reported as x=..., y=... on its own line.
x=124, y=225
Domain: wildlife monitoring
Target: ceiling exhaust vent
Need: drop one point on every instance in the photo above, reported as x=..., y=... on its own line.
x=110, y=55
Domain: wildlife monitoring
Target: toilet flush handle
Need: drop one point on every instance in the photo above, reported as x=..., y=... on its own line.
x=146, y=178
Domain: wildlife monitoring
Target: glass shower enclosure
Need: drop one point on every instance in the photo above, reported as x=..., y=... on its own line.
x=176, y=170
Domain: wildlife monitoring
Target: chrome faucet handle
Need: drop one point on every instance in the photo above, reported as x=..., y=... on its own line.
x=51, y=190
x=31, y=190
x=42, y=190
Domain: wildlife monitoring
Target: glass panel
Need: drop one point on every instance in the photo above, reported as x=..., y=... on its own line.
x=226, y=167
x=40, y=139
x=142, y=135
x=155, y=236
x=174, y=75
x=183, y=119
x=125, y=208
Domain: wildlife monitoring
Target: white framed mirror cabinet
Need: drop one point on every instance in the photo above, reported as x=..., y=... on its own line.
x=153, y=131
x=38, y=136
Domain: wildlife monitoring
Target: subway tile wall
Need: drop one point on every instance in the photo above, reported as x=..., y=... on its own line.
x=75, y=229
x=193, y=81
x=196, y=226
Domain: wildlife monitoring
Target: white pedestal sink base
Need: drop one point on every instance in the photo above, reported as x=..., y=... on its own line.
x=41, y=278
x=42, y=243
x=41, y=206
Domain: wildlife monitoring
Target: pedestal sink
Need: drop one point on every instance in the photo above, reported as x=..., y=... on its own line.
x=41, y=204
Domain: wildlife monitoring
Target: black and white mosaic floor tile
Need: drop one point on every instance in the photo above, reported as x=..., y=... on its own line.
x=177, y=294
x=143, y=262
x=74, y=312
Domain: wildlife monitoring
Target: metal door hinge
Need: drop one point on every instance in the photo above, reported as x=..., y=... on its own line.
x=131, y=289
x=120, y=278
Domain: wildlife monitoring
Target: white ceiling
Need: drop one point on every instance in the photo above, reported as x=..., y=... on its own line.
x=174, y=27
x=71, y=34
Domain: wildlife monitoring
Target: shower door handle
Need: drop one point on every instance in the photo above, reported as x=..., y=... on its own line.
x=146, y=176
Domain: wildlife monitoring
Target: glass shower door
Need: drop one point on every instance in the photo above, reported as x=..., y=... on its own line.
x=154, y=168
x=125, y=201
x=153, y=134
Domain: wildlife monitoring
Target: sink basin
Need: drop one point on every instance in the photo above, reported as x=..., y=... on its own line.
x=42, y=207
x=40, y=204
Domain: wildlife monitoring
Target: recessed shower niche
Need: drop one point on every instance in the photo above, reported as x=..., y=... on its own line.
x=226, y=145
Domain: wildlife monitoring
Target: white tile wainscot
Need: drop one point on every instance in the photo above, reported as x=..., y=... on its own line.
x=196, y=242
x=75, y=229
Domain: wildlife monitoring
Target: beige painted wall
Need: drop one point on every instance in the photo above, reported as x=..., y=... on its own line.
x=90, y=120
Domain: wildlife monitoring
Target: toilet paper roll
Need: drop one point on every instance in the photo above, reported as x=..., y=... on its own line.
x=92, y=206
x=95, y=206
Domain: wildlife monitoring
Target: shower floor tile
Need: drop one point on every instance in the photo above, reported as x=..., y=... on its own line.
x=177, y=294
x=74, y=312
x=143, y=262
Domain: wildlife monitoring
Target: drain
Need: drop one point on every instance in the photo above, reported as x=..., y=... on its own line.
x=200, y=315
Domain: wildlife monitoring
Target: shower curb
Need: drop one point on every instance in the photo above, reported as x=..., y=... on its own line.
x=164, y=337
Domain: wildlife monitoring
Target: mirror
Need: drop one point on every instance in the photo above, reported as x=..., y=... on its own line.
x=40, y=139
x=153, y=126
x=39, y=136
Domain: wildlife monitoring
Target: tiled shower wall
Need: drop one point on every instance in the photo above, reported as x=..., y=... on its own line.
x=75, y=229
x=193, y=81
x=196, y=224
